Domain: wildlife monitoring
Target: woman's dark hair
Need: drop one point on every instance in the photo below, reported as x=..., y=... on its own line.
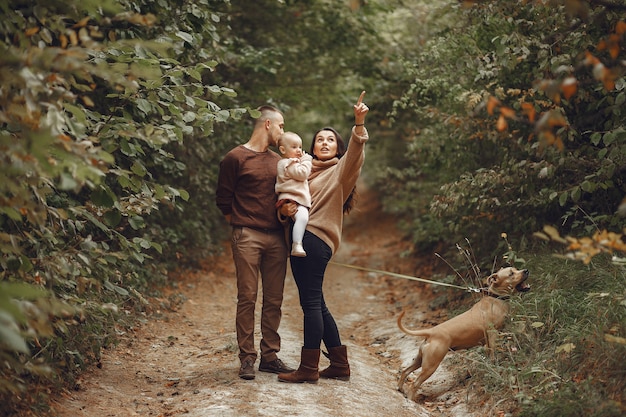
x=350, y=202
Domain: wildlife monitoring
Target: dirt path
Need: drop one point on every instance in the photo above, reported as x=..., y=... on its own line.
x=184, y=363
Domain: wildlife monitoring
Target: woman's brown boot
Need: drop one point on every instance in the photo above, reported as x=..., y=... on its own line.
x=339, y=367
x=308, y=371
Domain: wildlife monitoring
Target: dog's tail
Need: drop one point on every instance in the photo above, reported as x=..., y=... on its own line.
x=422, y=332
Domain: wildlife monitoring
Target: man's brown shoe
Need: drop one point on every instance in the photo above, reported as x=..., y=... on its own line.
x=276, y=367
x=246, y=371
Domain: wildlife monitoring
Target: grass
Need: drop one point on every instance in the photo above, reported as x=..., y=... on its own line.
x=562, y=352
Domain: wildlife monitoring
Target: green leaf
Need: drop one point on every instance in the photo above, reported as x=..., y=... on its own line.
x=77, y=112
x=208, y=64
x=229, y=92
x=588, y=186
x=194, y=74
x=185, y=36
x=189, y=117
x=215, y=89
x=27, y=265
x=595, y=138
x=158, y=247
x=142, y=242
x=608, y=138
x=125, y=181
x=112, y=287
x=223, y=115
x=183, y=194
x=9, y=333
x=13, y=264
x=102, y=197
x=66, y=182
x=138, y=169
x=22, y=291
x=144, y=105
x=126, y=148
x=105, y=156
x=136, y=222
x=112, y=218
x=11, y=213
x=92, y=219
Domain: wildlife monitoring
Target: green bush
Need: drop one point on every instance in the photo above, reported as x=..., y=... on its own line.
x=491, y=116
x=94, y=99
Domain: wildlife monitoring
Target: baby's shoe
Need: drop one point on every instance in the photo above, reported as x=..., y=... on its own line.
x=297, y=250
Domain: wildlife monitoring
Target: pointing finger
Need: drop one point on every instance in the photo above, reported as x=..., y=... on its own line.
x=360, y=100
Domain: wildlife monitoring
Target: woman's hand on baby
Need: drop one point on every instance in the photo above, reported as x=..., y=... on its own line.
x=288, y=209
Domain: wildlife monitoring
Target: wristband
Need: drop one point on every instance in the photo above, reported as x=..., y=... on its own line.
x=362, y=124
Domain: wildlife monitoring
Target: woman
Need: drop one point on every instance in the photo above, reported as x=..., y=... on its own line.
x=331, y=183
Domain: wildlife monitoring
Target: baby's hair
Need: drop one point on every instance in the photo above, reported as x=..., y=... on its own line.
x=288, y=134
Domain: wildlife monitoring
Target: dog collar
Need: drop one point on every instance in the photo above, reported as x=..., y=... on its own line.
x=494, y=295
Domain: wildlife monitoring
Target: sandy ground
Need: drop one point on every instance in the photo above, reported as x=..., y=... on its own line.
x=184, y=362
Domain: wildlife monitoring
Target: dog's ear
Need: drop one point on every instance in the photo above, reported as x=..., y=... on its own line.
x=492, y=279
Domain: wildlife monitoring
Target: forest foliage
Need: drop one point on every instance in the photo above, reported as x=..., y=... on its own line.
x=489, y=117
x=514, y=119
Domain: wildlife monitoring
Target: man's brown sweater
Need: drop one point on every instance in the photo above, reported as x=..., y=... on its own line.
x=246, y=188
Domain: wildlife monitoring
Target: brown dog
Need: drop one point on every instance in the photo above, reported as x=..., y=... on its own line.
x=475, y=327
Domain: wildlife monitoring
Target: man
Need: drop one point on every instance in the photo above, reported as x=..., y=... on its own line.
x=246, y=196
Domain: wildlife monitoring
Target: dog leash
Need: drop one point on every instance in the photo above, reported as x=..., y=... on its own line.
x=393, y=274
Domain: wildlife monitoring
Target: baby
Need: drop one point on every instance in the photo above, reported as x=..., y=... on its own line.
x=292, y=185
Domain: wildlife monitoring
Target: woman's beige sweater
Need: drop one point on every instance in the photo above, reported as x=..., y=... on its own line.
x=330, y=183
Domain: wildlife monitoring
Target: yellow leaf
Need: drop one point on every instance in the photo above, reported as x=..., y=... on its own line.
x=87, y=101
x=553, y=233
x=529, y=110
x=501, y=124
x=31, y=31
x=566, y=348
x=63, y=40
x=491, y=104
x=569, y=87
x=82, y=22
x=614, y=46
x=615, y=339
x=467, y=4
x=507, y=112
x=609, y=84
x=73, y=38
x=590, y=59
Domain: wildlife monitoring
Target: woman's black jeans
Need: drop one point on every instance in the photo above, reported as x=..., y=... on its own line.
x=308, y=273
